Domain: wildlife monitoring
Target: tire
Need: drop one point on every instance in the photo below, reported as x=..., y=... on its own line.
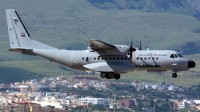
x=117, y=76
x=107, y=76
x=111, y=75
x=174, y=75
x=103, y=74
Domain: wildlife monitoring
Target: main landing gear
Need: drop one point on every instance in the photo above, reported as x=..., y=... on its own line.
x=174, y=75
x=110, y=75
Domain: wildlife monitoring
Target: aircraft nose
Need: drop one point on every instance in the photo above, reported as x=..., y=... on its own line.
x=191, y=64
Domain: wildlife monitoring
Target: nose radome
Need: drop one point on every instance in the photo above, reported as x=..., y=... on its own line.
x=191, y=64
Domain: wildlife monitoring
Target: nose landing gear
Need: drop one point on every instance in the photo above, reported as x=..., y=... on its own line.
x=174, y=75
x=110, y=75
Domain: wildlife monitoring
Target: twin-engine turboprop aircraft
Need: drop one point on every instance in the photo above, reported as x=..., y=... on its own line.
x=109, y=60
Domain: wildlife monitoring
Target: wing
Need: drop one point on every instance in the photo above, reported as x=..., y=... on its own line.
x=97, y=45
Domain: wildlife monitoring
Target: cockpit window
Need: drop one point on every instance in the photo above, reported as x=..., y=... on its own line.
x=176, y=55
x=172, y=56
x=180, y=55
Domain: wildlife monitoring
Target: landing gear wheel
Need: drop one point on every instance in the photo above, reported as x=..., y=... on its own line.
x=103, y=74
x=111, y=75
x=117, y=76
x=107, y=76
x=174, y=75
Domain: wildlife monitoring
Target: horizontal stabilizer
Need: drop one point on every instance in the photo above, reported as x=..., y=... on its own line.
x=19, y=49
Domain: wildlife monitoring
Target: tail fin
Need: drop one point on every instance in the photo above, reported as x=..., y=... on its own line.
x=19, y=37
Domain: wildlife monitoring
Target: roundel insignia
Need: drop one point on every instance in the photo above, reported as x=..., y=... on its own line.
x=58, y=56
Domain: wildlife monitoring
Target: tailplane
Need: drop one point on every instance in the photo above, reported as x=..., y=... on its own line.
x=20, y=39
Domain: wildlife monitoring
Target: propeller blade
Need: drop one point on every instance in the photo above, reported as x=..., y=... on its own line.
x=140, y=47
x=131, y=49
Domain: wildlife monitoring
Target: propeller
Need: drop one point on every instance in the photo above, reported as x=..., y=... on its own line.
x=131, y=49
x=140, y=47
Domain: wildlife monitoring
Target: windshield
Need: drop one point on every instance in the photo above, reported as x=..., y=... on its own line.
x=180, y=55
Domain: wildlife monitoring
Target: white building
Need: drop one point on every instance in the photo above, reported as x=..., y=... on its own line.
x=47, y=103
x=94, y=101
x=183, y=104
x=170, y=88
x=100, y=85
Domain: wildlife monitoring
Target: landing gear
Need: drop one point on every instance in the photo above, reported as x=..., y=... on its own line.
x=103, y=74
x=117, y=76
x=110, y=75
x=174, y=75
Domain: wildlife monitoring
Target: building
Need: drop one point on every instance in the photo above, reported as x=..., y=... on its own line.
x=84, y=79
x=26, y=107
x=182, y=104
x=94, y=101
x=23, y=89
x=127, y=103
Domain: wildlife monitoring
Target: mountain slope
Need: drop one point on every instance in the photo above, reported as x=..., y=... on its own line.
x=187, y=7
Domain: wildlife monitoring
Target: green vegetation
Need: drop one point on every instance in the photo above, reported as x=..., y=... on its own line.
x=69, y=24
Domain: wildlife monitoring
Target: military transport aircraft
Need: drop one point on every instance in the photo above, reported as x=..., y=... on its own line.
x=109, y=60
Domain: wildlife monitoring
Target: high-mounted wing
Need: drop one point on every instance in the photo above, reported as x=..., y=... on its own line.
x=96, y=45
x=99, y=46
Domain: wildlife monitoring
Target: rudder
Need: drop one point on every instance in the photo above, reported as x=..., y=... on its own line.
x=18, y=35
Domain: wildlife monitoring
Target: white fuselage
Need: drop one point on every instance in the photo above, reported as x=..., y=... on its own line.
x=150, y=60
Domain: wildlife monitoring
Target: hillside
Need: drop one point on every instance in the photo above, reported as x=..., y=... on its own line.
x=69, y=24
x=187, y=7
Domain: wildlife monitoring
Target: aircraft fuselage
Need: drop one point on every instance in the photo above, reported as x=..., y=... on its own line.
x=150, y=60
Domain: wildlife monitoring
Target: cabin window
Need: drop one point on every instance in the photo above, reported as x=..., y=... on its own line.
x=117, y=58
x=102, y=58
x=149, y=58
x=106, y=58
x=87, y=59
x=156, y=58
x=99, y=58
x=141, y=58
x=145, y=58
x=82, y=58
x=125, y=58
x=138, y=58
x=94, y=58
x=110, y=58
x=121, y=58
x=152, y=58
x=113, y=58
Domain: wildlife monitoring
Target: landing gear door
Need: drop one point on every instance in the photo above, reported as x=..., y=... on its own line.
x=76, y=58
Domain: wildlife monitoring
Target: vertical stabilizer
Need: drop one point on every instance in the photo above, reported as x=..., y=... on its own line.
x=18, y=34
